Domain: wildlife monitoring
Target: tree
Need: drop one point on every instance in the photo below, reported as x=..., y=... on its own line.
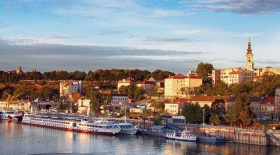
x=218, y=107
x=239, y=113
x=236, y=89
x=138, y=94
x=245, y=117
x=231, y=117
x=193, y=112
x=215, y=119
x=157, y=120
x=133, y=91
x=220, y=88
x=203, y=70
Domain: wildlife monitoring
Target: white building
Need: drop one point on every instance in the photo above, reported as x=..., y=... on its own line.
x=174, y=108
x=119, y=99
x=125, y=82
x=84, y=106
x=67, y=87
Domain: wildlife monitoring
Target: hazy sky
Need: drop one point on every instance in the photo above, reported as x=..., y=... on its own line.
x=172, y=35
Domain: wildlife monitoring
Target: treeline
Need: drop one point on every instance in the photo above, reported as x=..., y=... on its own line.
x=99, y=75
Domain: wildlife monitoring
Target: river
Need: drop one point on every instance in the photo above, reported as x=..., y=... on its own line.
x=18, y=139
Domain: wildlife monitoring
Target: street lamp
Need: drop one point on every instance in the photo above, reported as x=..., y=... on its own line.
x=203, y=116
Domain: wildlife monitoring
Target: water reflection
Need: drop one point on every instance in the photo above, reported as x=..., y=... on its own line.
x=22, y=139
x=184, y=147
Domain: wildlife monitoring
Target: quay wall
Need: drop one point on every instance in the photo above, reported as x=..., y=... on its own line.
x=237, y=135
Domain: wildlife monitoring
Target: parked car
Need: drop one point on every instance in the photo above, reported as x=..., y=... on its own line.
x=266, y=117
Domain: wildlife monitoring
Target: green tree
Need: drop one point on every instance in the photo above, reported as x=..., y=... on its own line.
x=193, y=112
x=138, y=94
x=220, y=88
x=157, y=120
x=203, y=70
x=218, y=107
x=215, y=119
x=231, y=117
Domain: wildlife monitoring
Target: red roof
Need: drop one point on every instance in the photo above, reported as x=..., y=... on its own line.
x=235, y=72
x=268, y=100
x=193, y=76
x=182, y=100
x=176, y=77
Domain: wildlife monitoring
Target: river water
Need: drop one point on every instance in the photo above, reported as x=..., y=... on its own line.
x=18, y=139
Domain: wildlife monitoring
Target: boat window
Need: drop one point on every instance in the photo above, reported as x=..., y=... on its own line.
x=10, y=112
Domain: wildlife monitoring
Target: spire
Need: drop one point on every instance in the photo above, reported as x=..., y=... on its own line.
x=249, y=50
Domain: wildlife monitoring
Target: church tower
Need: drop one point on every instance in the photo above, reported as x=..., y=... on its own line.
x=249, y=57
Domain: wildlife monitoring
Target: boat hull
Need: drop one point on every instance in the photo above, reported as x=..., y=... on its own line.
x=8, y=117
x=128, y=132
x=72, y=129
x=211, y=139
x=190, y=139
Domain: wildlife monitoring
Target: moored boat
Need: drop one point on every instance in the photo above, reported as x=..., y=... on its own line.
x=8, y=114
x=71, y=123
x=126, y=127
x=185, y=135
x=207, y=138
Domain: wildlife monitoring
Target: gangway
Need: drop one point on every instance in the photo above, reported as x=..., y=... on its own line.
x=174, y=127
x=275, y=139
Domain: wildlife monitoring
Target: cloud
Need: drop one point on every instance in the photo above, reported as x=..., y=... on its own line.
x=107, y=32
x=237, y=6
x=157, y=40
x=65, y=36
x=190, y=31
x=48, y=57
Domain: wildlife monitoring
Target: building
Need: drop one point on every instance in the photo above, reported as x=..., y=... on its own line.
x=255, y=106
x=174, y=108
x=135, y=110
x=277, y=104
x=267, y=108
x=148, y=86
x=180, y=86
x=67, y=87
x=74, y=96
x=119, y=99
x=157, y=81
x=173, y=86
x=84, y=106
x=125, y=82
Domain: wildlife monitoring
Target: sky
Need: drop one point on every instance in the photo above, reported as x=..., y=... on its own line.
x=173, y=35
